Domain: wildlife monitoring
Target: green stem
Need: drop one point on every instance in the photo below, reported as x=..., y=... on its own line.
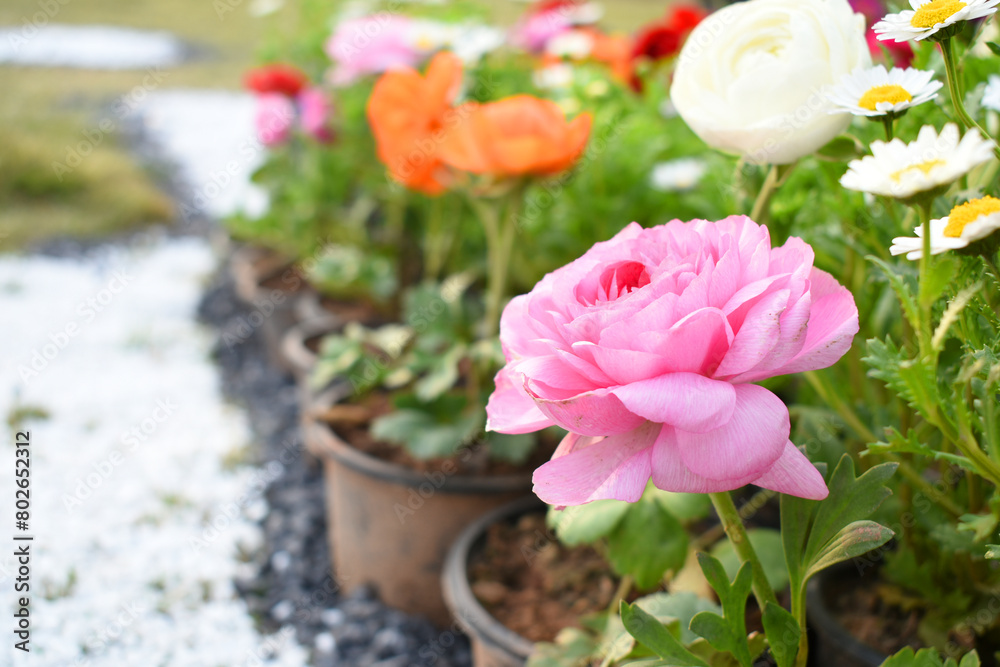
x=926, y=307
x=955, y=89
x=433, y=256
x=887, y=121
x=733, y=525
x=500, y=232
x=762, y=203
x=799, y=612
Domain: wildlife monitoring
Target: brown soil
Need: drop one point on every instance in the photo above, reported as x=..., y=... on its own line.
x=353, y=311
x=533, y=584
x=351, y=422
x=859, y=605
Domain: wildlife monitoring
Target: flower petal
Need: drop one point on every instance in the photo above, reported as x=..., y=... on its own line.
x=833, y=321
x=615, y=467
x=670, y=473
x=746, y=445
x=510, y=409
x=685, y=400
x=591, y=413
x=794, y=475
x=757, y=336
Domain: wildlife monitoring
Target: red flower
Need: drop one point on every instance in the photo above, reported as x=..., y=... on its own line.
x=664, y=39
x=278, y=78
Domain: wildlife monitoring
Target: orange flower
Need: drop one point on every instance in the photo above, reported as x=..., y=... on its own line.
x=407, y=113
x=516, y=136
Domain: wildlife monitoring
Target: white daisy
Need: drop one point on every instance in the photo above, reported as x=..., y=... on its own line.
x=991, y=95
x=876, y=92
x=929, y=16
x=677, y=175
x=557, y=76
x=574, y=44
x=897, y=169
x=968, y=222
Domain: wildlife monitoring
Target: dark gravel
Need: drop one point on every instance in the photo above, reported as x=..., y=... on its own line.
x=295, y=585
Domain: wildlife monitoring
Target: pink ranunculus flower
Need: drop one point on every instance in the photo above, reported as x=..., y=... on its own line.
x=646, y=350
x=371, y=45
x=275, y=116
x=315, y=112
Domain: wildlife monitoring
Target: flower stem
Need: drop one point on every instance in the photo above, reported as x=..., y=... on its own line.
x=924, y=210
x=763, y=201
x=887, y=122
x=955, y=89
x=733, y=525
x=500, y=228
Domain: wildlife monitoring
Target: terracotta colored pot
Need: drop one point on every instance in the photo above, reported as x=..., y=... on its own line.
x=830, y=644
x=493, y=644
x=270, y=285
x=391, y=527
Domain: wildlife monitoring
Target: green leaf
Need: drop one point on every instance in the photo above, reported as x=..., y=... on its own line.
x=853, y=540
x=842, y=149
x=421, y=434
x=941, y=275
x=783, y=634
x=583, y=524
x=767, y=543
x=981, y=526
x=572, y=648
x=651, y=633
x=902, y=290
x=645, y=523
x=993, y=551
x=685, y=506
x=850, y=500
x=443, y=374
x=995, y=48
x=682, y=606
x=730, y=635
x=511, y=447
x=970, y=660
x=928, y=657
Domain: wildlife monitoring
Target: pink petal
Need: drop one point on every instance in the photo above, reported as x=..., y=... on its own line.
x=614, y=467
x=757, y=336
x=746, y=445
x=685, y=400
x=695, y=344
x=510, y=409
x=554, y=372
x=794, y=327
x=591, y=413
x=833, y=321
x=795, y=475
x=670, y=473
x=627, y=366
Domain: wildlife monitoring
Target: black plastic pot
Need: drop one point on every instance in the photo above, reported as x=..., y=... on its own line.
x=493, y=644
x=831, y=645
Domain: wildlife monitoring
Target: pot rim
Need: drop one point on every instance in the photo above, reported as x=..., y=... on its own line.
x=293, y=343
x=458, y=595
x=819, y=614
x=332, y=446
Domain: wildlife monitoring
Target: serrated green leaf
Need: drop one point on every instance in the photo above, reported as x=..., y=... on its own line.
x=442, y=376
x=421, y=434
x=783, y=634
x=583, y=524
x=902, y=290
x=647, y=522
x=716, y=631
x=734, y=599
x=927, y=658
x=853, y=540
x=982, y=526
x=651, y=633
x=940, y=276
x=850, y=500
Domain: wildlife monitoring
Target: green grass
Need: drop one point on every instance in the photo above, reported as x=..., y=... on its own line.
x=45, y=113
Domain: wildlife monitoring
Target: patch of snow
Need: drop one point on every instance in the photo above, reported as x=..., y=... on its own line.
x=138, y=514
x=89, y=47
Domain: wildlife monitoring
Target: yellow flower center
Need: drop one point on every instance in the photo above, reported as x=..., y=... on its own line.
x=934, y=12
x=969, y=212
x=890, y=93
x=924, y=166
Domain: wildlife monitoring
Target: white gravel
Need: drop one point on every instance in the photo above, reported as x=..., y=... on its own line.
x=211, y=138
x=88, y=46
x=138, y=514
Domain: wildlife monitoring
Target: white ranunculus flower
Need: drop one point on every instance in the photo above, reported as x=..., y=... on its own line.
x=751, y=77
